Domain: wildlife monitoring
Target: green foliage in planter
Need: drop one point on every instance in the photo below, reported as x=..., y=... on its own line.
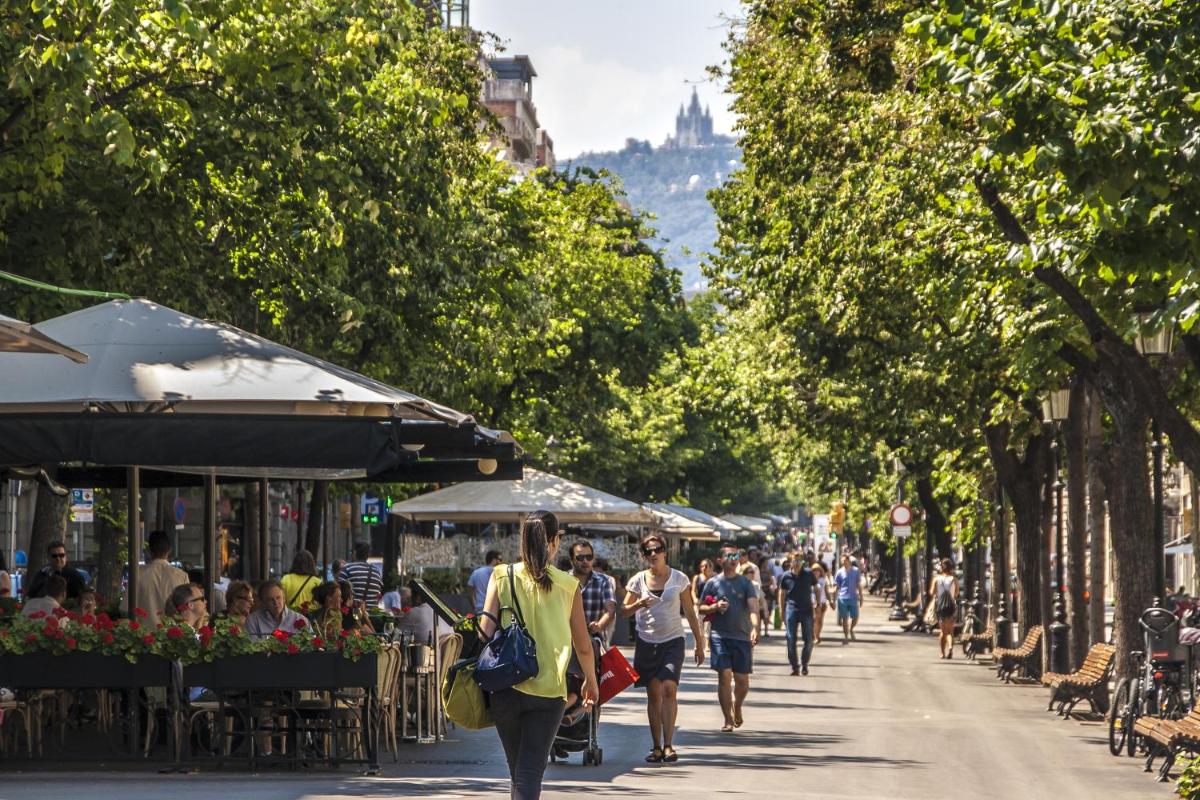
x=1188, y=785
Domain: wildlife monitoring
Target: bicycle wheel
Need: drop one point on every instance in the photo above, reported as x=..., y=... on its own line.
x=1137, y=705
x=1119, y=711
x=1170, y=703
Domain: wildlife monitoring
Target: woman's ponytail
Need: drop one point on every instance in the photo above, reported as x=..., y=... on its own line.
x=537, y=531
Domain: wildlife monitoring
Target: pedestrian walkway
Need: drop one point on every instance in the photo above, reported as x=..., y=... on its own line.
x=881, y=717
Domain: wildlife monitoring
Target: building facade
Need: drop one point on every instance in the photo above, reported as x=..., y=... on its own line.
x=508, y=95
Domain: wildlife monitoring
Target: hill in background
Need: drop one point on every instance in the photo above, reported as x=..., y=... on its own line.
x=671, y=183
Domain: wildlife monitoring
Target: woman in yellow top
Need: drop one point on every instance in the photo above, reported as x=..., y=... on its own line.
x=299, y=582
x=527, y=716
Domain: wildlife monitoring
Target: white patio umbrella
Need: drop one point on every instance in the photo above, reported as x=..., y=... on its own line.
x=22, y=337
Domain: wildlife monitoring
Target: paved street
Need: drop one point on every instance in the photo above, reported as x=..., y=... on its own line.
x=882, y=717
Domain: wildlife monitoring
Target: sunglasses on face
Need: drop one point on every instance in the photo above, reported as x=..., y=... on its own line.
x=651, y=551
x=58, y=555
x=584, y=557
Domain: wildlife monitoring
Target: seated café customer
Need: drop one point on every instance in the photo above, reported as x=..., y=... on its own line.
x=239, y=602
x=87, y=601
x=391, y=602
x=54, y=595
x=196, y=576
x=328, y=618
x=354, y=614
x=187, y=604
x=420, y=619
x=272, y=613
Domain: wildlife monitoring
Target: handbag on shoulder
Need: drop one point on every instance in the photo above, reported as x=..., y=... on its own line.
x=511, y=656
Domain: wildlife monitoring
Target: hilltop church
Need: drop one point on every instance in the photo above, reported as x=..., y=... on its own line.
x=693, y=127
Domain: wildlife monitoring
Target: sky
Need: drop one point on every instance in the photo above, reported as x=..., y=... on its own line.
x=613, y=69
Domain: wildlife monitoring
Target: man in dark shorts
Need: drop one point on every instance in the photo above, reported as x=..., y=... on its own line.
x=733, y=600
x=795, y=598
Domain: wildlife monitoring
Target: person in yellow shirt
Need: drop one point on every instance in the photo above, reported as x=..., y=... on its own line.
x=527, y=716
x=300, y=581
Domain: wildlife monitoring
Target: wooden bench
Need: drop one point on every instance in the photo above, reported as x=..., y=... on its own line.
x=1089, y=682
x=975, y=643
x=1168, y=737
x=1027, y=658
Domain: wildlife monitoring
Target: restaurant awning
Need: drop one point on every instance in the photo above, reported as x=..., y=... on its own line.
x=21, y=337
x=752, y=524
x=726, y=530
x=672, y=522
x=509, y=501
x=168, y=390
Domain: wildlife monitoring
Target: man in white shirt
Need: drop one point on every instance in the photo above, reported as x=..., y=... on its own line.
x=56, y=593
x=157, y=578
x=420, y=619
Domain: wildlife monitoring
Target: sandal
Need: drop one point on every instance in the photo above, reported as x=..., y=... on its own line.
x=738, y=721
x=727, y=727
x=655, y=756
x=669, y=755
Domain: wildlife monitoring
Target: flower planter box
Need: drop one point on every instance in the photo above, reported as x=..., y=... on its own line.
x=300, y=671
x=81, y=671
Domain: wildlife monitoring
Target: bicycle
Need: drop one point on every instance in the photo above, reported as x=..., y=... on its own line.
x=1162, y=685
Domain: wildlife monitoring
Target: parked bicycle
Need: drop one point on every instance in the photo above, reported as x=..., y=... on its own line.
x=1163, y=684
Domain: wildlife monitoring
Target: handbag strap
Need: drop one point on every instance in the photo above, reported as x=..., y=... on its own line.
x=298, y=591
x=515, y=609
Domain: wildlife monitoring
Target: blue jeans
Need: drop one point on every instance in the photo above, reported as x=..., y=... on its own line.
x=792, y=620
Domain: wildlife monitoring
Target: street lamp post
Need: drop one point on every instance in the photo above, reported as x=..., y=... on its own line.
x=1156, y=342
x=1000, y=573
x=1055, y=408
x=898, y=614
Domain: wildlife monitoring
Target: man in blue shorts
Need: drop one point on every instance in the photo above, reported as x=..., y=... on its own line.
x=849, y=596
x=732, y=600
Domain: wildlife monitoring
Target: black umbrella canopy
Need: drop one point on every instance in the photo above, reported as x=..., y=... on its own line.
x=165, y=389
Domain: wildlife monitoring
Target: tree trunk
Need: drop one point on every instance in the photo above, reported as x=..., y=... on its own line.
x=1193, y=526
x=1097, y=535
x=111, y=540
x=49, y=523
x=1022, y=477
x=935, y=520
x=1076, y=533
x=316, y=518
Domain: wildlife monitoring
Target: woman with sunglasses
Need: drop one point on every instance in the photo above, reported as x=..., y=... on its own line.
x=823, y=597
x=656, y=596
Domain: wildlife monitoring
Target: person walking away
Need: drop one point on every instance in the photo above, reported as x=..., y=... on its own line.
x=300, y=581
x=655, y=595
x=733, y=633
x=824, y=596
x=849, y=596
x=157, y=578
x=599, y=606
x=795, y=598
x=944, y=590
x=704, y=571
x=527, y=715
x=481, y=577
x=56, y=552
x=364, y=578
x=766, y=591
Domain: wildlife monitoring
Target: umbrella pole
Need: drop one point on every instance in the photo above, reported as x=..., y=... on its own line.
x=264, y=539
x=134, y=536
x=210, y=538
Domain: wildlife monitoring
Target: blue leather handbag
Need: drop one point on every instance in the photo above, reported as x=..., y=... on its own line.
x=511, y=656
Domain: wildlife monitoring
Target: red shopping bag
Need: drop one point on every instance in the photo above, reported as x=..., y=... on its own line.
x=616, y=675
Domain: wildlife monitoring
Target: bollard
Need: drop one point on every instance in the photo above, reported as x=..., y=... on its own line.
x=1003, y=624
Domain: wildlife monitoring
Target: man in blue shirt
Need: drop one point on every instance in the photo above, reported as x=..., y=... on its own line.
x=733, y=631
x=795, y=597
x=849, y=596
x=481, y=577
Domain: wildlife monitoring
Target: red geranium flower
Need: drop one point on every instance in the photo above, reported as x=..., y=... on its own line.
x=70, y=643
x=140, y=612
x=88, y=619
x=134, y=625
x=71, y=615
x=38, y=615
x=234, y=630
x=31, y=637
x=103, y=618
x=345, y=634
x=60, y=612
x=281, y=635
x=292, y=649
x=107, y=638
x=318, y=642
x=300, y=624
x=175, y=632
x=148, y=639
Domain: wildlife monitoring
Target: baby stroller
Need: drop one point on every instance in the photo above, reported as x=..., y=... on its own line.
x=580, y=728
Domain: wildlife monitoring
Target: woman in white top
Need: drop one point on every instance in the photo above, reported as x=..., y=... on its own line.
x=657, y=595
x=944, y=590
x=823, y=600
